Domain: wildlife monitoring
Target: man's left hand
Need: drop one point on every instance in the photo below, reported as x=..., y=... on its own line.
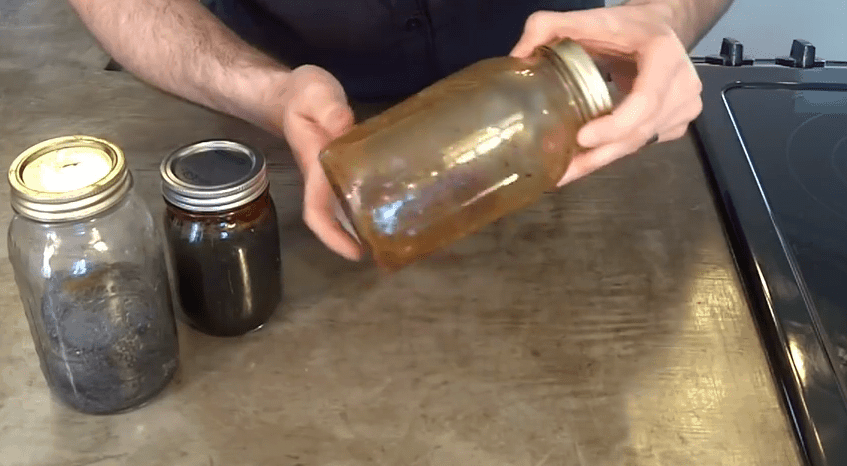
x=649, y=64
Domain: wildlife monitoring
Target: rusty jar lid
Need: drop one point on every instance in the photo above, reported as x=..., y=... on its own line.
x=583, y=73
x=213, y=176
x=68, y=178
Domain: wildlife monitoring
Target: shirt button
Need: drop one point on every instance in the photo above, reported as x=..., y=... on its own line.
x=413, y=23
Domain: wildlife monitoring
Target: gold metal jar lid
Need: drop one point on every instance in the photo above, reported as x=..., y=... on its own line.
x=68, y=178
x=583, y=72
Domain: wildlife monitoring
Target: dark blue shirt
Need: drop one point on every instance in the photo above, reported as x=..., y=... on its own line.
x=384, y=49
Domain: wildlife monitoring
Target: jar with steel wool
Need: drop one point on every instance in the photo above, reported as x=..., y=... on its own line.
x=223, y=238
x=471, y=148
x=89, y=264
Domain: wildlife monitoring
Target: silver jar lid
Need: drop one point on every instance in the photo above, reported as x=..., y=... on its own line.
x=213, y=176
x=68, y=178
x=584, y=73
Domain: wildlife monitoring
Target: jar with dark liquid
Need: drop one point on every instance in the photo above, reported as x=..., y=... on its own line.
x=223, y=238
x=471, y=148
x=90, y=267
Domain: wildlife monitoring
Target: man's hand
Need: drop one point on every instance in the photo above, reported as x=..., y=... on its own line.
x=315, y=111
x=178, y=46
x=649, y=63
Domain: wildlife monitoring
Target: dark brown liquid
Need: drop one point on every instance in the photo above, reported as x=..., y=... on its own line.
x=228, y=267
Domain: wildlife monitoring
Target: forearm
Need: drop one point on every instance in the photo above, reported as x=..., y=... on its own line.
x=691, y=19
x=181, y=48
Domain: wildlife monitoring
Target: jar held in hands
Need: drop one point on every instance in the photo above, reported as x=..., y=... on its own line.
x=471, y=148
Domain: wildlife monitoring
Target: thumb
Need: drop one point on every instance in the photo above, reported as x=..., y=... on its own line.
x=538, y=30
x=323, y=102
x=609, y=31
x=335, y=118
x=315, y=123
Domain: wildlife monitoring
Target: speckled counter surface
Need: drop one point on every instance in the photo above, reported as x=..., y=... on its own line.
x=605, y=325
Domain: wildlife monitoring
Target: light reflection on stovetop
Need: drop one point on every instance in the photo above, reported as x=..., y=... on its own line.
x=822, y=174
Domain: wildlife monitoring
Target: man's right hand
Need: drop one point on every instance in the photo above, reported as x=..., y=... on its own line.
x=181, y=48
x=315, y=111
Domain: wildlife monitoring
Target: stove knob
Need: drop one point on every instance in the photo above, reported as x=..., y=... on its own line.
x=732, y=54
x=802, y=55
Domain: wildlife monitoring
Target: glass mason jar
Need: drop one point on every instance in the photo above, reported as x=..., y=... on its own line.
x=223, y=237
x=89, y=264
x=481, y=143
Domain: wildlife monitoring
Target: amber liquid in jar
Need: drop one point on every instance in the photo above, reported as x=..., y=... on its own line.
x=468, y=150
x=227, y=266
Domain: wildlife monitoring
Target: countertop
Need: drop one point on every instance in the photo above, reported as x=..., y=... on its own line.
x=604, y=325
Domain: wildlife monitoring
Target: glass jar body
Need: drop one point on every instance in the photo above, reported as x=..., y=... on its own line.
x=462, y=153
x=98, y=303
x=227, y=266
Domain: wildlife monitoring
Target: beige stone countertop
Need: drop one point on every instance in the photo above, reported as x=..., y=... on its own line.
x=604, y=325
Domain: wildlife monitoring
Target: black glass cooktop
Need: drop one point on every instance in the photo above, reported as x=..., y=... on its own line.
x=774, y=140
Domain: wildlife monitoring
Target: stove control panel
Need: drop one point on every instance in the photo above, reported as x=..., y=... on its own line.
x=802, y=56
x=732, y=54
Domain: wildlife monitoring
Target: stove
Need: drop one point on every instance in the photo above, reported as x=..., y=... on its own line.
x=773, y=135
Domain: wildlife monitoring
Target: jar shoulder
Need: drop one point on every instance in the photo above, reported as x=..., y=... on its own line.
x=124, y=233
x=258, y=216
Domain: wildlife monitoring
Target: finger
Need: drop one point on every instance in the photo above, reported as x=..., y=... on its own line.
x=645, y=101
x=330, y=233
x=591, y=161
x=597, y=29
x=318, y=214
x=674, y=133
x=633, y=113
x=318, y=200
x=678, y=114
x=306, y=139
x=668, y=134
x=676, y=124
x=658, y=51
x=323, y=105
x=684, y=101
x=685, y=112
x=678, y=111
x=309, y=130
x=537, y=31
x=544, y=27
x=335, y=119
